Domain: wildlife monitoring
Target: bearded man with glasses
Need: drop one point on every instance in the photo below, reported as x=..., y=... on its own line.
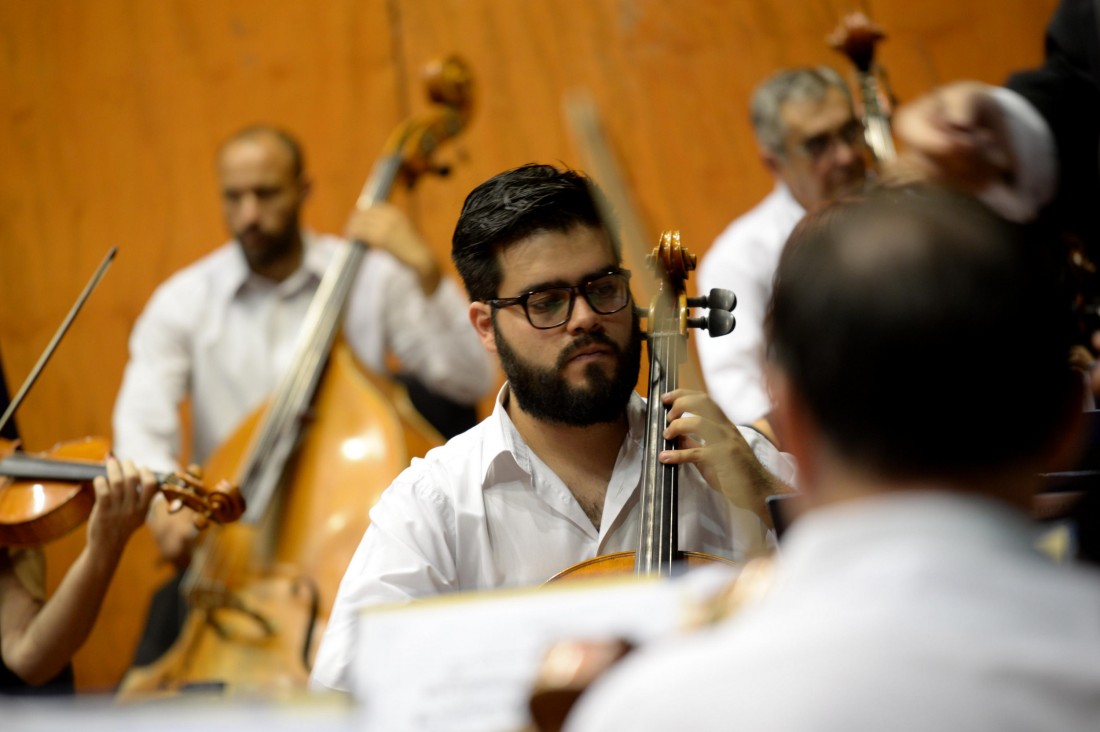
x=551, y=477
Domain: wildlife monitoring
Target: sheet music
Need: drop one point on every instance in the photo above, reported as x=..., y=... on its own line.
x=468, y=662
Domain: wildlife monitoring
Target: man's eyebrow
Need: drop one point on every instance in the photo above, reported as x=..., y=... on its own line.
x=561, y=282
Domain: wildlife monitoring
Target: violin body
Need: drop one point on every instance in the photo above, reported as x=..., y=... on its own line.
x=33, y=513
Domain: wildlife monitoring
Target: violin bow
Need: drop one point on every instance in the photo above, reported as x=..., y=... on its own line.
x=56, y=340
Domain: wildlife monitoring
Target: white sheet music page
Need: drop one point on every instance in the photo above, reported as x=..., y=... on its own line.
x=468, y=661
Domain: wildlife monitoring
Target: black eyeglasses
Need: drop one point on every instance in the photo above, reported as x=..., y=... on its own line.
x=606, y=294
x=816, y=147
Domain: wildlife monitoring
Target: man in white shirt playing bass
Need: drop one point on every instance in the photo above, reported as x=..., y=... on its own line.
x=222, y=331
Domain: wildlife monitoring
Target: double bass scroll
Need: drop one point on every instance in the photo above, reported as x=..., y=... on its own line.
x=856, y=37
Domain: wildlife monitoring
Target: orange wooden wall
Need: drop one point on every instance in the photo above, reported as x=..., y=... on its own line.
x=111, y=111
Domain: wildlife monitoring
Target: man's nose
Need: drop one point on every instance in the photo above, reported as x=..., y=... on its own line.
x=844, y=152
x=583, y=317
x=248, y=210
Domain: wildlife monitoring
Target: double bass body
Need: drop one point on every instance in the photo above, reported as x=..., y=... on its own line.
x=260, y=605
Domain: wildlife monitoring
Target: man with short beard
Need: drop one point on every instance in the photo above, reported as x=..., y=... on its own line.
x=551, y=478
x=221, y=332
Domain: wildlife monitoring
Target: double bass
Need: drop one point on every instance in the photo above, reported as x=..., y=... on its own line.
x=310, y=463
x=856, y=37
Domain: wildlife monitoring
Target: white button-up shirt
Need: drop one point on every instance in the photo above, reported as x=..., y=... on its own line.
x=743, y=259
x=220, y=334
x=906, y=611
x=484, y=511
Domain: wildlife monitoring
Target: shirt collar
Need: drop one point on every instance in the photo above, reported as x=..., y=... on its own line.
x=239, y=277
x=505, y=449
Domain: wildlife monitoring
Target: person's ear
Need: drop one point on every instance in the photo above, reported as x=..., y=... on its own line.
x=481, y=317
x=773, y=162
x=305, y=187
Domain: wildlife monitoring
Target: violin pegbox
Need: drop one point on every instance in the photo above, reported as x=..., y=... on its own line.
x=223, y=504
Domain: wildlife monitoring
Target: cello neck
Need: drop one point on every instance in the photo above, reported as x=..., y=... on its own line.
x=666, y=336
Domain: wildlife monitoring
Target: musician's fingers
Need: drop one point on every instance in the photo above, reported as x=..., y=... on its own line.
x=148, y=486
x=684, y=401
x=691, y=455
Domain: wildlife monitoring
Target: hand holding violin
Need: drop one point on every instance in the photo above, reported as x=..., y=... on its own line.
x=39, y=638
x=122, y=500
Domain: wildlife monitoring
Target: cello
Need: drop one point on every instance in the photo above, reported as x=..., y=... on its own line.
x=668, y=321
x=311, y=463
x=570, y=666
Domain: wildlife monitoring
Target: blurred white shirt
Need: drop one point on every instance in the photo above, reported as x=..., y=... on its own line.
x=909, y=611
x=743, y=259
x=220, y=334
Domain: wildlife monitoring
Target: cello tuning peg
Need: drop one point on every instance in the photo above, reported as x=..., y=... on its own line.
x=717, y=322
x=722, y=299
x=717, y=298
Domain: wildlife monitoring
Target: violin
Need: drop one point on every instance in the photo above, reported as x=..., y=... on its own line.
x=856, y=37
x=45, y=496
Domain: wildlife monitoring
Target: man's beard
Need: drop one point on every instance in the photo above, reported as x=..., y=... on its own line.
x=263, y=250
x=545, y=394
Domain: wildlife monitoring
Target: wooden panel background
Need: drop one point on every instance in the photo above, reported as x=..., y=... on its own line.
x=112, y=110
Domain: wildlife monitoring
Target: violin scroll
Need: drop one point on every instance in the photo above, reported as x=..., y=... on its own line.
x=223, y=504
